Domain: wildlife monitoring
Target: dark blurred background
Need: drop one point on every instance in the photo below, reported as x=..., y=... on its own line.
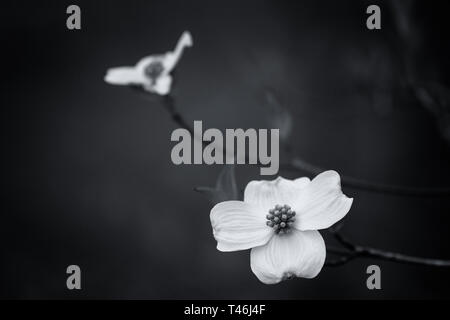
x=88, y=178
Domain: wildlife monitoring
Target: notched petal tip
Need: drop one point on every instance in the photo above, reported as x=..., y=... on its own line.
x=322, y=203
x=331, y=175
x=187, y=38
x=268, y=193
x=298, y=254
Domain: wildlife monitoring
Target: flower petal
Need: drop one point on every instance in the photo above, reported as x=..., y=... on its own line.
x=268, y=194
x=172, y=58
x=185, y=39
x=162, y=85
x=124, y=76
x=238, y=226
x=322, y=203
x=144, y=62
x=298, y=253
x=166, y=60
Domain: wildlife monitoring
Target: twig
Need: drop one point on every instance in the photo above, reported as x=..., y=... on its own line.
x=298, y=164
x=339, y=261
x=351, y=251
x=355, y=251
x=360, y=184
x=169, y=104
x=344, y=256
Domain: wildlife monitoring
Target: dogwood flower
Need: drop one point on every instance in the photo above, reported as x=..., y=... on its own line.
x=278, y=220
x=152, y=72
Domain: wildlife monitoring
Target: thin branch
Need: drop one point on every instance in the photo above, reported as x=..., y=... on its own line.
x=401, y=258
x=355, y=251
x=169, y=104
x=344, y=256
x=298, y=164
x=351, y=251
x=339, y=261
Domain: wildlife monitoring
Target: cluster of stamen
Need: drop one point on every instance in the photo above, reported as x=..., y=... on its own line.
x=154, y=70
x=281, y=219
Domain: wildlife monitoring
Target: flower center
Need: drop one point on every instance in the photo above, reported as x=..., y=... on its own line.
x=154, y=70
x=281, y=219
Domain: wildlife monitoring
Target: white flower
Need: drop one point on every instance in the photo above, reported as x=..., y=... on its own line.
x=279, y=220
x=152, y=72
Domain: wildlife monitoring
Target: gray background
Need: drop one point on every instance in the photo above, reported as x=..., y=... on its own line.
x=88, y=178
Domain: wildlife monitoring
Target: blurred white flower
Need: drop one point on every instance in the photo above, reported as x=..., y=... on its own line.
x=279, y=220
x=152, y=72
